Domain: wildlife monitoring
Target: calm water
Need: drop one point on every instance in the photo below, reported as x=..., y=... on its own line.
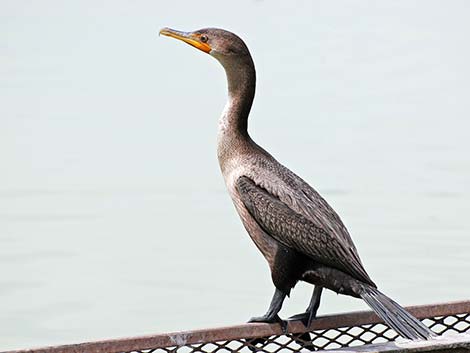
x=114, y=220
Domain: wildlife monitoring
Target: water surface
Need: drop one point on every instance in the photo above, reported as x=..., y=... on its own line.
x=114, y=220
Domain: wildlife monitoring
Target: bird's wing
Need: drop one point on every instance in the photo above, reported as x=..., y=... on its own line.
x=300, y=197
x=296, y=231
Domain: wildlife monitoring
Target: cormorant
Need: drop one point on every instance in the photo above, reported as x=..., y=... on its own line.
x=297, y=231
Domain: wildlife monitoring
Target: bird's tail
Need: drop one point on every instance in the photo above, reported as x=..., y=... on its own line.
x=394, y=315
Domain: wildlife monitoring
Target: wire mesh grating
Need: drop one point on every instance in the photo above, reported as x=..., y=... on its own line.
x=327, y=332
x=332, y=338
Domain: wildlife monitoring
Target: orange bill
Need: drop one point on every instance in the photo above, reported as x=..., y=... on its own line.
x=187, y=37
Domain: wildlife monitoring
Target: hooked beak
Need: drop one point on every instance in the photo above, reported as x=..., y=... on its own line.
x=187, y=37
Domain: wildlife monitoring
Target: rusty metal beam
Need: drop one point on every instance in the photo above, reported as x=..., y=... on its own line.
x=244, y=331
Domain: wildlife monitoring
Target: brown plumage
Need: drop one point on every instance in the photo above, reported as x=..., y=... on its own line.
x=299, y=234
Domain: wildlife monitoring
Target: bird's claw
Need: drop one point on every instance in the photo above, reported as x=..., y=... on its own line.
x=303, y=317
x=297, y=317
x=284, y=325
x=306, y=318
x=305, y=341
x=271, y=320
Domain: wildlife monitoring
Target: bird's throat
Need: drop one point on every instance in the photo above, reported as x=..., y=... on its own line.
x=233, y=124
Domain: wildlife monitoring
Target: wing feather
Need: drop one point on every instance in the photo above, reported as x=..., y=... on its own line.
x=296, y=231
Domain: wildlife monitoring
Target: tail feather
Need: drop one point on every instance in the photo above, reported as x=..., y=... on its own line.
x=394, y=315
x=384, y=313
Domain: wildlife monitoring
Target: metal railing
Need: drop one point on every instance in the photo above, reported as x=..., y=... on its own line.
x=326, y=332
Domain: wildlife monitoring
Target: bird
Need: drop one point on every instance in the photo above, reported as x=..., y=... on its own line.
x=298, y=232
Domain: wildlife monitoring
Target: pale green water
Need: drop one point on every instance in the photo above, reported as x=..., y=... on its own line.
x=114, y=219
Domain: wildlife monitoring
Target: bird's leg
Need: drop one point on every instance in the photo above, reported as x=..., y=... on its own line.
x=271, y=315
x=311, y=312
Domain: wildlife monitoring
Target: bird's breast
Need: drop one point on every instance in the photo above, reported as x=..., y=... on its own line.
x=232, y=170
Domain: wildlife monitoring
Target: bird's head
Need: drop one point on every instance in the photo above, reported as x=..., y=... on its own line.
x=219, y=43
x=230, y=51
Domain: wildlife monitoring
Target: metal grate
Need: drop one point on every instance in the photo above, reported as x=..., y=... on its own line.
x=327, y=332
x=318, y=339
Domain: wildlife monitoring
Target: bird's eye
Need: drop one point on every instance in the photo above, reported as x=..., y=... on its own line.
x=204, y=38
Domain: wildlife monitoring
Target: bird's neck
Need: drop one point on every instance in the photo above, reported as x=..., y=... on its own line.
x=233, y=124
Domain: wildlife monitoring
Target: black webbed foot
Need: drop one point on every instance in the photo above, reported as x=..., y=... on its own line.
x=302, y=317
x=272, y=319
x=311, y=313
x=305, y=341
x=269, y=320
x=306, y=318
